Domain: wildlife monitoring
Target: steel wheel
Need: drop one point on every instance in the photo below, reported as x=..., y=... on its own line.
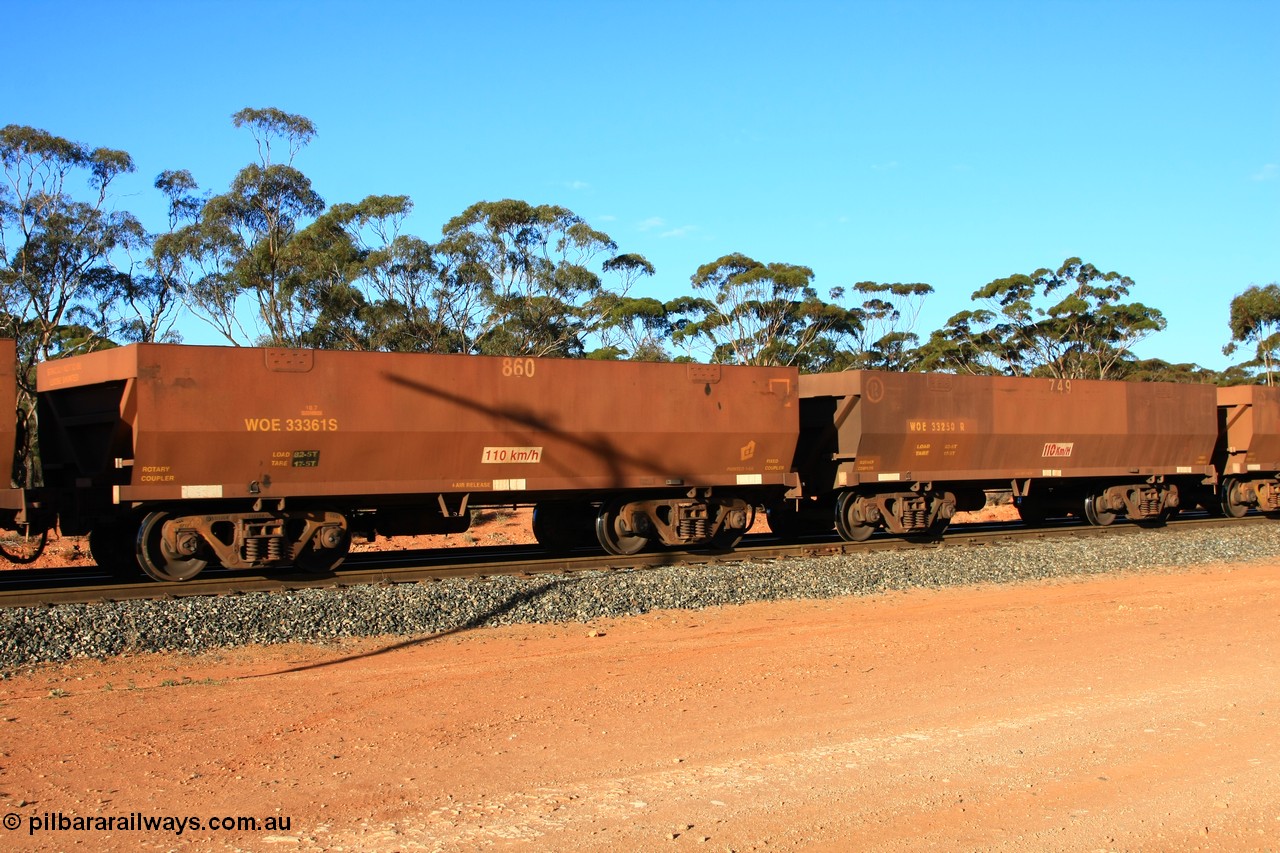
x=313, y=559
x=614, y=538
x=112, y=548
x=850, y=528
x=23, y=546
x=563, y=525
x=728, y=537
x=1097, y=517
x=157, y=559
x=1229, y=499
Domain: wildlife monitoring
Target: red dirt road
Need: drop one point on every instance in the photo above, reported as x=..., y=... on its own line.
x=1125, y=713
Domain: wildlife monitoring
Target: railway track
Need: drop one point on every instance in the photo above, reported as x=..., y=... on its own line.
x=48, y=587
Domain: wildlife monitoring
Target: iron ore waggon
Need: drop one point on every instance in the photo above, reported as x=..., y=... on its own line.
x=185, y=456
x=906, y=451
x=1248, y=451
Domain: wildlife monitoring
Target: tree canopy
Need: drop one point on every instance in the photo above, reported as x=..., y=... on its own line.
x=1069, y=323
x=1255, y=319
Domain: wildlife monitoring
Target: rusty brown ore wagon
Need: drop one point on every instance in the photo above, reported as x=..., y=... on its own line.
x=906, y=451
x=184, y=456
x=1248, y=451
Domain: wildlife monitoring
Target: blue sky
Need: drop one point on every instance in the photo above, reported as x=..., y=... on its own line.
x=947, y=143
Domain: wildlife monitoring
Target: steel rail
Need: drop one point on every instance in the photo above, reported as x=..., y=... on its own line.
x=48, y=587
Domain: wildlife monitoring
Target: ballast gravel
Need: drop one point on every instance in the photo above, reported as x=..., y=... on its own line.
x=44, y=634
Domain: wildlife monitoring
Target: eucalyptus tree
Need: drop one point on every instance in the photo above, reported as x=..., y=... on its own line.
x=62, y=241
x=1255, y=320
x=240, y=244
x=532, y=268
x=147, y=302
x=632, y=327
x=1069, y=323
x=884, y=338
x=421, y=298
x=324, y=264
x=761, y=314
x=1159, y=370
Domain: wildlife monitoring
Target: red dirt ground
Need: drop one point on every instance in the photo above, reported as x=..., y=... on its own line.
x=1134, y=712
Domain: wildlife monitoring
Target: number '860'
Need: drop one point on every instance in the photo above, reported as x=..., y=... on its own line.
x=517, y=367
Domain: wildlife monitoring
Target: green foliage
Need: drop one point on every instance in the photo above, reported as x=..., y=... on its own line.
x=241, y=242
x=1069, y=323
x=1255, y=319
x=1159, y=370
x=884, y=339
x=761, y=314
x=531, y=271
x=62, y=246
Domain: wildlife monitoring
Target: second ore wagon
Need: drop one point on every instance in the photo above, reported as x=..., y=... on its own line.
x=905, y=451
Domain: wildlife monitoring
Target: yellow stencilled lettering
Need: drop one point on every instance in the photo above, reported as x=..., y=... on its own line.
x=155, y=474
x=262, y=424
x=311, y=425
x=520, y=367
x=923, y=449
x=950, y=449
x=1060, y=386
x=291, y=424
x=935, y=426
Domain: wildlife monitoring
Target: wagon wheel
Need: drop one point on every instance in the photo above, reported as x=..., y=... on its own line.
x=320, y=560
x=157, y=559
x=25, y=547
x=1097, y=517
x=728, y=538
x=112, y=548
x=850, y=528
x=1229, y=499
x=613, y=537
x=560, y=526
